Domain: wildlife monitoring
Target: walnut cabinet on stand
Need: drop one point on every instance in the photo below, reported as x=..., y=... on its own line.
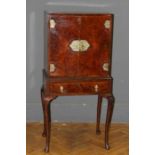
x=77, y=61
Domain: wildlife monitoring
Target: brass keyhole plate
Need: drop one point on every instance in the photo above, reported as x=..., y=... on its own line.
x=79, y=45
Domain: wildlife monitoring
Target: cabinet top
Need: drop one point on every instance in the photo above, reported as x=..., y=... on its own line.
x=78, y=13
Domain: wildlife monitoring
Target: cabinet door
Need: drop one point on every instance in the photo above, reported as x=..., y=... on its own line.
x=97, y=31
x=63, y=29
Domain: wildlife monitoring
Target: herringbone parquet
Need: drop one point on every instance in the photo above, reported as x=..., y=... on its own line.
x=77, y=139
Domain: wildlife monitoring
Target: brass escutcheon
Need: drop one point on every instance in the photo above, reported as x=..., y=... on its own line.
x=79, y=45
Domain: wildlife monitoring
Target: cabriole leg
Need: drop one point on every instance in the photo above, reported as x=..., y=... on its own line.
x=99, y=106
x=108, y=120
x=47, y=123
x=44, y=130
x=47, y=118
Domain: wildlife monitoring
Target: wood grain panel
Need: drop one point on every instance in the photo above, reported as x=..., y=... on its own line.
x=93, y=30
x=88, y=27
x=59, y=38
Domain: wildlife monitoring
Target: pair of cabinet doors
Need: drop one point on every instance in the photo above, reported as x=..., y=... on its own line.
x=78, y=45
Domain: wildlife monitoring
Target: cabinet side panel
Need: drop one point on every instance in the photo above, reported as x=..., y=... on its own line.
x=45, y=41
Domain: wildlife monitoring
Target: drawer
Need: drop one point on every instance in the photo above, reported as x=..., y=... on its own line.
x=80, y=88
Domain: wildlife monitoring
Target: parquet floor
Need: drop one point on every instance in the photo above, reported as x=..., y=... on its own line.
x=76, y=139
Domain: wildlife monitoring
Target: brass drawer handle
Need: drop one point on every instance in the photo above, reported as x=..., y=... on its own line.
x=96, y=88
x=61, y=89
